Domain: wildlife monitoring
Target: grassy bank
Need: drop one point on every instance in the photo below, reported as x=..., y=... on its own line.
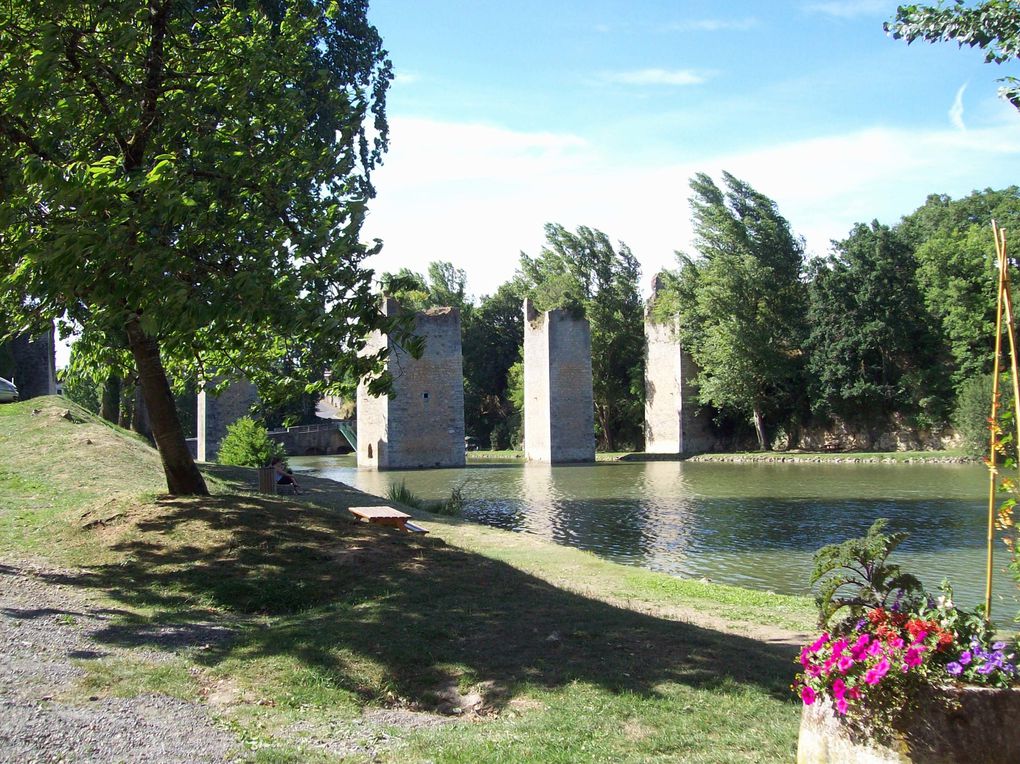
x=345, y=641
x=833, y=457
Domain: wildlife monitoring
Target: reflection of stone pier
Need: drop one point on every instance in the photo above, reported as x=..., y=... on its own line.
x=559, y=412
x=422, y=424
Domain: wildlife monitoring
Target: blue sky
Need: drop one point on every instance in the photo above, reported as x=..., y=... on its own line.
x=505, y=116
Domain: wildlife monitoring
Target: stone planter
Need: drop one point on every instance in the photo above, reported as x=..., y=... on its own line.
x=957, y=724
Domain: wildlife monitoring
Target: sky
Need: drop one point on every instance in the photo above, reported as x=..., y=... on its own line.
x=505, y=116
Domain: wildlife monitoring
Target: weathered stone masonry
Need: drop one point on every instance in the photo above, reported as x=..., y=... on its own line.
x=215, y=412
x=34, y=364
x=673, y=422
x=422, y=425
x=559, y=410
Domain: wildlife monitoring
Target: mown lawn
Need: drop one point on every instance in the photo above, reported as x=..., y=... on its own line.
x=348, y=641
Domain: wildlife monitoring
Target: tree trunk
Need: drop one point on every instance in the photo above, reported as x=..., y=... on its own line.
x=127, y=405
x=182, y=476
x=759, y=428
x=109, y=406
x=140, y=421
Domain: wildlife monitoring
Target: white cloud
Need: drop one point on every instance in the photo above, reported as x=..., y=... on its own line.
x=848, y=9
x=713, y=25
x=478, y=195
x=655, y=77
x=956, y=110
x=406, y=78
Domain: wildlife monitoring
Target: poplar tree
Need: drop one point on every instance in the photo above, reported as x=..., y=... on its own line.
x=742, y=301
x=192, y=177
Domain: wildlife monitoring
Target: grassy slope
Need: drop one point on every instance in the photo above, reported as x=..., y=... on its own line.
x=571, y=658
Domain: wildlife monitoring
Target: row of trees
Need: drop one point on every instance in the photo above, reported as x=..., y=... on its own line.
x=886, y=330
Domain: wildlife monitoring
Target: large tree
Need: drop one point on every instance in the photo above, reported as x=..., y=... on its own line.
x=952, y=240
x=192, y=177
x=742, y=301
x=872, y=348
x=584, y=271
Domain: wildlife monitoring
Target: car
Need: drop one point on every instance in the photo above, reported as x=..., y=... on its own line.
x=8, y=392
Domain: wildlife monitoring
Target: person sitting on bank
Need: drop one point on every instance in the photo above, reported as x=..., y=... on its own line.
x=283, y=475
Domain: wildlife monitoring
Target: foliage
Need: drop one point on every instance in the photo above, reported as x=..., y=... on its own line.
x=992, y=25
x=871, y=349
x=742, y=302
x=583, y=272
x=970, y=417
x=192, y=178
x=492, y=343
x=855, y=574
x=247, y=444
x=453, y=506
x=956, y=271
x=404, y=495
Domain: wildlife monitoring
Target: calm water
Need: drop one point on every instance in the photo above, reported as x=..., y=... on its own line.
x=753, y=525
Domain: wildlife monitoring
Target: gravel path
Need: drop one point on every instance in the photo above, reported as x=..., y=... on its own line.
x=45, y=627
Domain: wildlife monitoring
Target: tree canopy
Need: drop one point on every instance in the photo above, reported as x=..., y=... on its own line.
x=191, y=178
x=992, y=25
x=742, y=303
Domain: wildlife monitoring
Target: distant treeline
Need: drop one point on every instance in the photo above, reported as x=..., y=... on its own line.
x=892, y=329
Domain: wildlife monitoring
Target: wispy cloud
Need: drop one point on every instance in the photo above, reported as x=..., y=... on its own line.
x=849, y=9
x=956, y=110
x=713, y=25
x=656, y=77
x=478, y=195
x=406, y=78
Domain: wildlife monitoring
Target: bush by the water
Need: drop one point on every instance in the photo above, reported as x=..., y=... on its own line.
x=247, y=444
x=452, y=506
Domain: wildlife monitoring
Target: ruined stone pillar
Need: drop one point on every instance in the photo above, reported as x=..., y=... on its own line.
x=35, y=371
x=215, y=412
x=559, y=408
x=422, y=424
x=674, y=422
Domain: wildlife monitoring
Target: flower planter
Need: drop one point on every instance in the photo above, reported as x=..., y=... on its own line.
x=955, y=724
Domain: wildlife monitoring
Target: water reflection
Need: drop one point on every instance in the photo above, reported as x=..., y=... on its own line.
x=750, y=525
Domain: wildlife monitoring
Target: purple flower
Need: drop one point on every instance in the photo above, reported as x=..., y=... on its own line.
x=999, y=646
x=965, y=657
x=954, y=668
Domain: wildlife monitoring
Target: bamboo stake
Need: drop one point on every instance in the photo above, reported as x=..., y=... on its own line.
x=992, y=425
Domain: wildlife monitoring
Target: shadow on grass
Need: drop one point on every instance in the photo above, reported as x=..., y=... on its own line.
x=414, y=606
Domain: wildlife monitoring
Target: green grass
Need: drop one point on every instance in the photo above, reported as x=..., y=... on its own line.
x=825, y=456
x=569, y=657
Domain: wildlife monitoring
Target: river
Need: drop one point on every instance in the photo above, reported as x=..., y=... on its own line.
x=752, y=525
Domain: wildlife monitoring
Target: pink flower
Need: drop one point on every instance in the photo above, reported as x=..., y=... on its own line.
x=920, y=636
x=819, y=643
x=913, y=656
x=838, y=689
x=841, y=705
x=855, y=693
x=896, y=643
x=807, y=695
x=813, y=671
x=875, y=649
x=845, y=664
x=838, y=647
x=874, y=675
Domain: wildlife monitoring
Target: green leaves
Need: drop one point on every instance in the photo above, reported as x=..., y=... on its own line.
x=856, y=575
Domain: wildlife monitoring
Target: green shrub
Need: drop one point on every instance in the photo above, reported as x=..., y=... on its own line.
x=403, y=495
x=973, y=406
x=247, y=444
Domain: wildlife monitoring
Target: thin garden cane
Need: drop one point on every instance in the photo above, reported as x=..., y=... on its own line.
x=993, y=428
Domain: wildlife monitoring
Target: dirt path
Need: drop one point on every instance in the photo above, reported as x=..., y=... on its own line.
x=47, y=628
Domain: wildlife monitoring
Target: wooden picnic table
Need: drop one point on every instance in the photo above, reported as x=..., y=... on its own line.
x=387, y=516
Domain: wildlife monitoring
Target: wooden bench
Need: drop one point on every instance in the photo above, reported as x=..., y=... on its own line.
x=394, y=518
